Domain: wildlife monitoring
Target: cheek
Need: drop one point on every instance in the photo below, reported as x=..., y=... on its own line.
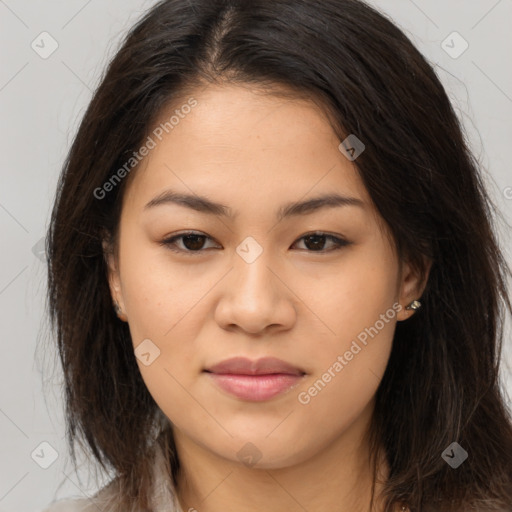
x=347, y=373
x=163, y=307
x=158, y=296
x=353, y=295
x=359, y=314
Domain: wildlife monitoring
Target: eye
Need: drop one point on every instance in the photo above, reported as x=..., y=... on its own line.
x=316, y=242
x=193, y=242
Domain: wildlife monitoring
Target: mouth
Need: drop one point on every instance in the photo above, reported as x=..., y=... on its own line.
x=257, y=380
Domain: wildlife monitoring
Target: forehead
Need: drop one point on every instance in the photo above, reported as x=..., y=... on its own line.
x=238, y=140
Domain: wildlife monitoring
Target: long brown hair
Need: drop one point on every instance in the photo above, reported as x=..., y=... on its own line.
x=442, y=382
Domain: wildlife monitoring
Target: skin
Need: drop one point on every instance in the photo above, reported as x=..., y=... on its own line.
x=255, y=152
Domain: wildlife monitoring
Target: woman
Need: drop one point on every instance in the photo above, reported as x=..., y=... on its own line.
x=273, y=275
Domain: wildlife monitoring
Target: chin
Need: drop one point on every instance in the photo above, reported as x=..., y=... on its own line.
x=262, y=452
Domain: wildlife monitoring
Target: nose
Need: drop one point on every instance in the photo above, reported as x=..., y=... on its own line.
x=255, y=297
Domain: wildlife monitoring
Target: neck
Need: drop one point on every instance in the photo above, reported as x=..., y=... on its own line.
x=339, y=477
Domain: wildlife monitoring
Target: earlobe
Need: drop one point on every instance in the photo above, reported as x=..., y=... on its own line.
x=113, y=279
x=413, y=283
x=119, y=312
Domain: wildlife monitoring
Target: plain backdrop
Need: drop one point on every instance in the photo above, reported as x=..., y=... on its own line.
x=42, y=98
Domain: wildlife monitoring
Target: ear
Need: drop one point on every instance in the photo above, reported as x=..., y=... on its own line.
x=114, y=280
x=412, y=284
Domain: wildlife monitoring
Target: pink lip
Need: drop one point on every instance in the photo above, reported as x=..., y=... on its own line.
x=255, y=380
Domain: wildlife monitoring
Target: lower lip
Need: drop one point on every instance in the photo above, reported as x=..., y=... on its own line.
x=256, y=388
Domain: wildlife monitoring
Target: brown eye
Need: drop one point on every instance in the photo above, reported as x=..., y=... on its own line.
x=190, y=242
x=315, y=242
x=193, y=243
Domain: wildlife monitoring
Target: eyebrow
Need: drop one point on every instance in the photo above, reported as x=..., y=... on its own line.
x=205, y=205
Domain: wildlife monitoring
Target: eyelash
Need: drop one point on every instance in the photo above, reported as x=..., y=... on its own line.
x=170, y=242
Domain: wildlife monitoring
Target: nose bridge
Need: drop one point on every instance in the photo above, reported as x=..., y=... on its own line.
x=253, y=276
x=253, y=298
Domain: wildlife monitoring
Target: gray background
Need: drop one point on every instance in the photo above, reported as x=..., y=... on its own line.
x=41, y=103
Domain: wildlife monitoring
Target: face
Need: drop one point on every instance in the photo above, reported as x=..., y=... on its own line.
x=317, y=286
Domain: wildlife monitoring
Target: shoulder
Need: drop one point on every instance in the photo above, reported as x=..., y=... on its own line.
x=71, y=505
x=102, y=500
x=163, y=493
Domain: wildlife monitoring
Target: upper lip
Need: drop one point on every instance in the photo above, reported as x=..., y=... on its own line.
x=263, y=366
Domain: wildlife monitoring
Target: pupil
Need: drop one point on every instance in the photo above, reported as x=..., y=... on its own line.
x=316, y=238
x=195, y=242
x=194, y=246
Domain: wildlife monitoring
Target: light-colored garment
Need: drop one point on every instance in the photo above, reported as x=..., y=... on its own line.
x=163, y=495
